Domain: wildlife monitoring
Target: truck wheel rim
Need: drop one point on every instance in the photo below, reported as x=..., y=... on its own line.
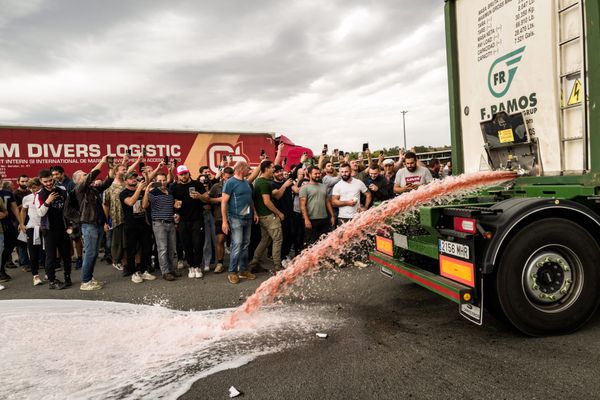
x=552, y=278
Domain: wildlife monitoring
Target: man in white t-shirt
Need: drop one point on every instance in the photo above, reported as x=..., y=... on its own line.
x=346, y=195
x=412, y=175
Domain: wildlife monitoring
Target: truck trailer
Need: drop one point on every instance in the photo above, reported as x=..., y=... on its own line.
x=524, y=94
x=28, y=149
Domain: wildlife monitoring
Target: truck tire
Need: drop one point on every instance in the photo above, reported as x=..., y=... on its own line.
x=547, y=282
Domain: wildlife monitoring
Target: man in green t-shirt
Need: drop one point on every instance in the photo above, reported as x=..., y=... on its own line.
x=270, y=217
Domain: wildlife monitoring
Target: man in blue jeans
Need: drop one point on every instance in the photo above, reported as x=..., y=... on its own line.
x=237, y=211
x=88, y=193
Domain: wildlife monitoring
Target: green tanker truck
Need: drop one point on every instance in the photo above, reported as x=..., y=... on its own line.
x=524, y=90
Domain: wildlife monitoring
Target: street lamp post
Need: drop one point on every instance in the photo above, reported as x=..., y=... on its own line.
x=404, y=126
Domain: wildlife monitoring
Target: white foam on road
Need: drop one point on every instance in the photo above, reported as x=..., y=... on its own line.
x=57, y=349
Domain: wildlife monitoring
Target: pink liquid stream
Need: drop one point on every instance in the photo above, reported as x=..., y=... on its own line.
x=368, y=221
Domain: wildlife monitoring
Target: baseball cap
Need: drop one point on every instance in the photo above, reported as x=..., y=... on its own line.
x=388, y=161
x=131, y=174
x=182, y=169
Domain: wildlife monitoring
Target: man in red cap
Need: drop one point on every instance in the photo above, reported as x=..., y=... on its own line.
x=190, y=197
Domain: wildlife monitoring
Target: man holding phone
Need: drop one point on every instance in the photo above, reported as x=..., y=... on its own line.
x=411, y=176
x=161, y=204
x=190, y=196
x=92, y=219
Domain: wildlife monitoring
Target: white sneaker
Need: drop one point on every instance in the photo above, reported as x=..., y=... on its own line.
x=219, y=268
x=137, y=278
x=37, y=280
x=91, y=285
x=118, y=266
x=206, y=269
x=180, y=264
x=191, y=272
x=199, y=273
x=285, y=262
x=147, y=276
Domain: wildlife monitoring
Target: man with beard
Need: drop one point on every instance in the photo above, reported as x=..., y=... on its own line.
x=20, y=193
x=270, y=217
x=346, y=195
x=51, y=203
x=316, y=208
x=137, y=230
x=92, y=219
x=190, y=196
x=216, y=197
x=283, y=198
x=411, y=176
x=377, y=184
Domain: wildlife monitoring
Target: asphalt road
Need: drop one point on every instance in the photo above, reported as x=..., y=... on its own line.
x=397, y=341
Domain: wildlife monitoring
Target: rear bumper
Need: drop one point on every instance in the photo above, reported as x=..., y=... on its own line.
x=436, y=283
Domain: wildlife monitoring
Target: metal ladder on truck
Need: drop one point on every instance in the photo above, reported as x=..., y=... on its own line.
x=572, y=83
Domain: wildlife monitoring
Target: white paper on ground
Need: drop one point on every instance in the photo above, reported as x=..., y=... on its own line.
x=233, y=392
x=322, y=335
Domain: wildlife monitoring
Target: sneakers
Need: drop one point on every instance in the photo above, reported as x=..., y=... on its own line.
x=198, y=273
x=118, y=266
x=37, y=280
x=233, y=278
x=180, y=264
x=219, y=268
x=147, y=276
x=4, y=277
x=168, y=276
x=137, y=278
x=207, y=268
x=91, y=285
x=68, y=282
x=285, y=262
x=247, y=275
x=191, y=272
x=56, y=285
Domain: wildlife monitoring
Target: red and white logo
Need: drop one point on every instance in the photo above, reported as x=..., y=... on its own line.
x=217, y=151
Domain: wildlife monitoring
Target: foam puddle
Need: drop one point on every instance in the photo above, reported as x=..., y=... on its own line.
x=80, y=349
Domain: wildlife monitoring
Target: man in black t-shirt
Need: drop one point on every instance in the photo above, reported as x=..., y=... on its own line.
x=190, y=197
x=51, y=201
x=138, y=232
x=10, y=232
x=283, y=199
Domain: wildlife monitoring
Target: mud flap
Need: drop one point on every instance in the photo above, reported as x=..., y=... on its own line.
x=472, y=309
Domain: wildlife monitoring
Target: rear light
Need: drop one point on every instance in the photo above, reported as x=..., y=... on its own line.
x=467, y=225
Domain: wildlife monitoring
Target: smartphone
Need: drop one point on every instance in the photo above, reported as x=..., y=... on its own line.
x=128, y=152
x=110, y=160
x=284, y=160
x=191, y=190
x=325, y=147
x=144, y=151
x=305, y=153
x=174, y=162
x=262, y=152
x=365, y=146
x=156, y=185
x=142, y=165
x=341, y=153
x=223, y=157
x=166, y=160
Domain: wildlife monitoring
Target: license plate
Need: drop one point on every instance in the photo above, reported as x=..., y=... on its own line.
x=454, y=249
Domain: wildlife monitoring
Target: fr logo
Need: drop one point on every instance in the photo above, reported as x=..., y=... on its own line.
x=502, y=72
x=218, y=150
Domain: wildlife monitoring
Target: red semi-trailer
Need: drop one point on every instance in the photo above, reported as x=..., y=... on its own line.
x=28, y=149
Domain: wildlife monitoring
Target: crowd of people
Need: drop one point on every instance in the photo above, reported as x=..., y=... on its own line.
x=161, y=218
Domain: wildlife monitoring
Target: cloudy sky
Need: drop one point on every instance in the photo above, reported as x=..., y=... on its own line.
x=335, y=71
